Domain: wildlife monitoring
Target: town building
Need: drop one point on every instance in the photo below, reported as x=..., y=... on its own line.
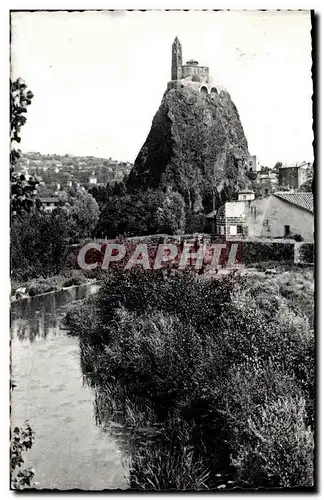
x=190, y=74
x=293, y=175
x=252, y=164
x=246, y=195
x=280, y=215
x=49, y=203
x=230, y=218
x=266, y=183
x=93, y=179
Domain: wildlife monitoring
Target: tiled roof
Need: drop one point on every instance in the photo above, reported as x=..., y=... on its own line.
x=302, y=200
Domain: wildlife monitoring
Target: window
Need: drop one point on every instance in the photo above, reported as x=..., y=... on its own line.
x=233, y=230
x=239, y=229
x=287, y=231
x=222, y=230
x=266, y=225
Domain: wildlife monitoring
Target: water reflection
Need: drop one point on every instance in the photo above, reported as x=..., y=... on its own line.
x=70, y=450
x=40, y=316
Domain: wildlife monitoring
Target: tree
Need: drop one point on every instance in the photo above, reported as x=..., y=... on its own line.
x=119, y=188
x=39, y=243
x=23, y=191
x=308, y=186
x=20, y=98
x=144, y=213
x=83, y=211
x=101, y=194
x=171, y=214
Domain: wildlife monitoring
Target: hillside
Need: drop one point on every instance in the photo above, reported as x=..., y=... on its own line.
x=196, y=142
x=60, y=168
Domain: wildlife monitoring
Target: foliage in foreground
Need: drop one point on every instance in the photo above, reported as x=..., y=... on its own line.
x=224, y=369
x=21, y=440
x=22, y=191
x=38, y=244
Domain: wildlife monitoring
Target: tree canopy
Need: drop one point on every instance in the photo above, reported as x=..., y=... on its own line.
x=23, y=191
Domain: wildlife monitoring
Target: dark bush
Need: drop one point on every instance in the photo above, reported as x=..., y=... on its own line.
x=307, y=253
x=255, y=251
x=213, y=361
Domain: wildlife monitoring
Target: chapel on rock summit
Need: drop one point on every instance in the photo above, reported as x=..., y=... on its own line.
x=189, y=74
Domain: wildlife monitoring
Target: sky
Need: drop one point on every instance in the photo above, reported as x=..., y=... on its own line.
x=98, y=77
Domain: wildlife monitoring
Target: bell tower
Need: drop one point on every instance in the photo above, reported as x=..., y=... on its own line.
x=176, y=68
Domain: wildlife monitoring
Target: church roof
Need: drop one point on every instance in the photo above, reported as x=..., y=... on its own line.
x=192, y=61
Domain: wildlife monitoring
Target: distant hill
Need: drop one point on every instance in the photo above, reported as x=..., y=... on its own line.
x=67, y=159
x=59, y=168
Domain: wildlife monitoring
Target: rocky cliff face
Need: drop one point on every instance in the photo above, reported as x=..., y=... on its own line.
x=196, y=142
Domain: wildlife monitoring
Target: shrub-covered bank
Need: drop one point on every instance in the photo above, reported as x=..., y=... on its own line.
x=45, y=284
x=222, y=367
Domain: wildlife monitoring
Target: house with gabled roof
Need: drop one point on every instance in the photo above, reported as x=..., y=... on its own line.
x=280, y=215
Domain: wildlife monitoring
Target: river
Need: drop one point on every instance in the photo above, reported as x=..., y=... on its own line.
x=70, y=451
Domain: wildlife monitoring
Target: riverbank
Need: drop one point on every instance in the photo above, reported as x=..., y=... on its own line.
x=223, y=367
x=42, y=285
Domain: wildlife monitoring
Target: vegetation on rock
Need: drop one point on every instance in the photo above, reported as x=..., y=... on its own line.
x=196, y=142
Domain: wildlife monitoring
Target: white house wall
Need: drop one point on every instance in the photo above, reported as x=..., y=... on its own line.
x=279, y=214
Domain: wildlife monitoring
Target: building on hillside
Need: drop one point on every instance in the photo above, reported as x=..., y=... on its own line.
x=93, y=179
x=190, y=74
x=252, y=164
x=293, y=175
x=266, y=183
x=280, y=215
x=246, y=195
x=49, y=203
x=56, y=187
x=24, y=171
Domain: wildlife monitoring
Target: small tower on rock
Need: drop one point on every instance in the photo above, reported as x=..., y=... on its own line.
x=176, y=68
